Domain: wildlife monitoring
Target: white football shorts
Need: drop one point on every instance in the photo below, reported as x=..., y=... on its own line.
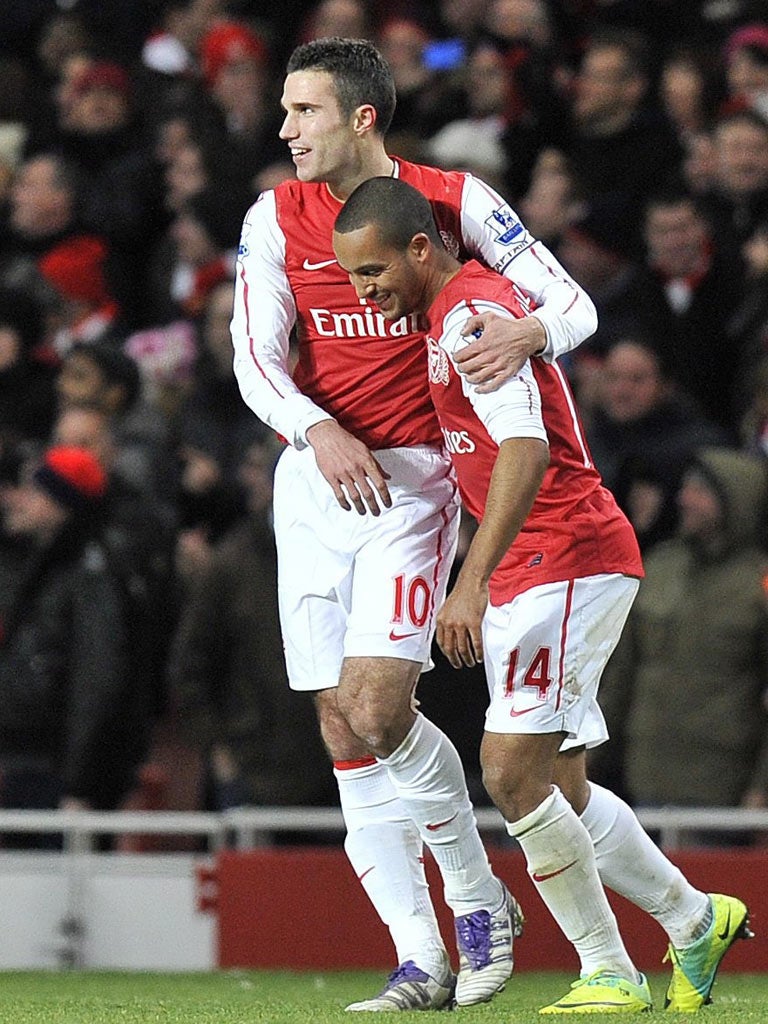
x=362, y=586
x=545, y=652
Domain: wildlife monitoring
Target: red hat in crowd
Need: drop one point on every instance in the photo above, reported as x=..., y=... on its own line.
x=75, y=269
x=755, y=36
x=73, y=477
x=103, y=74
x=225, y=43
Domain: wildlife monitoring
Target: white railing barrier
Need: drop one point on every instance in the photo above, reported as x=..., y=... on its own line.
x=246, y=827
x=60, y=907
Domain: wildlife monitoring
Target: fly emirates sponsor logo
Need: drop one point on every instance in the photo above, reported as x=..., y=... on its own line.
x=458, y=442
x=363, y=323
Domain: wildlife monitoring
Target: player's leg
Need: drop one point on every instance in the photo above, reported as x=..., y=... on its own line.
x=316, y=542
x=385, y=850
x=701, y=927
x=427, y=774
x=400, y=581
x=538, y=662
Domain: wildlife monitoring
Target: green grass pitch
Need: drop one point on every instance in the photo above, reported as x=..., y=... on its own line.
x=259, y=997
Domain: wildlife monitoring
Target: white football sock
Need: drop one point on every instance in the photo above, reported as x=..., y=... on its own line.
x=385, y=850
x=561, y=863
x=631, y=864
x=427, y=774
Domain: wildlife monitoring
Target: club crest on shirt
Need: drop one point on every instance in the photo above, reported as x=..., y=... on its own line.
x=439, y=369
x=505, y=224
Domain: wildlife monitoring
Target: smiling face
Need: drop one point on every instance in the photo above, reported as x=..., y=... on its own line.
x=395, y=281
x=321, y=140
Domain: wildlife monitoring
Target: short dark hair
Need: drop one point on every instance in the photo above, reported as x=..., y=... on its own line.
x=116, y=366
x=360, y=74
x=633, y=44
x=397, y=209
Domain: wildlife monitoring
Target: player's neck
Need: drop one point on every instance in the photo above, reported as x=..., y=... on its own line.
x=370, y=165
x=443, y=272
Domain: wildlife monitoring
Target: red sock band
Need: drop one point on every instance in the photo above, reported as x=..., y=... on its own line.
x=357, y=762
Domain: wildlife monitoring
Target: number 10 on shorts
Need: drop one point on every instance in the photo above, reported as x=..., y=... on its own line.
x=412, y=598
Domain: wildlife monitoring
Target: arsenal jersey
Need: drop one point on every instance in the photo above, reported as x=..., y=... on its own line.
x=368, y=373
x=575, y=528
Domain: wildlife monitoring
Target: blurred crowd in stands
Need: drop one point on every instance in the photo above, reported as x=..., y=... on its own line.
x=140, y=655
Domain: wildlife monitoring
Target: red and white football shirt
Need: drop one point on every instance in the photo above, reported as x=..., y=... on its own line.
x=575, y=528
x=368, y=373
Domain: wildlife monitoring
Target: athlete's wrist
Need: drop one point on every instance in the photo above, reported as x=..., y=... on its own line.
x=538, y=343
x=315, y=431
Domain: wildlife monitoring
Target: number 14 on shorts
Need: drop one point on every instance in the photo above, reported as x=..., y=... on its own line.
x=535, y=675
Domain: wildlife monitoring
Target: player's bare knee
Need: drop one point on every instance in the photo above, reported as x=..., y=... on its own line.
x=340, y=741
x=516, y=781
x=504, y=783
x=381, y=729
x=374, y=696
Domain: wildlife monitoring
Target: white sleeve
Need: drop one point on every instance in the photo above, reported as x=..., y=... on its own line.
x=263, y=316
x=514, y=409
x=494, y=233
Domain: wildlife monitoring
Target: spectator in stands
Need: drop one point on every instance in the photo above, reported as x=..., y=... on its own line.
x=641, y=431
x=516, y=21
x=272, y=175
x=44, y=210
x=553, y=201
x=426, y=96
x=738, y=203
x=748, y=335
x=689, y=91
x=229, y=696
x=508, y=82
x=697, y=639
x=621, y=147
x=536, y=113
x=65, y=94
x=474, y=143
x=594, y=249
x=345, y=18
x=27, y=397
x=61, y=50
x=122, y=188
x=460, y=23
x=698, y=169
x=198, y=252
x=594, y=246
x=63, y=653
x=235, y=63
x=190, y=154
x=81, y=305
x=213, y=428
x=171, y=50
x=138, y=533
x=109, y=379
x=692, y=283
x=166, y=356
x=746, y=67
